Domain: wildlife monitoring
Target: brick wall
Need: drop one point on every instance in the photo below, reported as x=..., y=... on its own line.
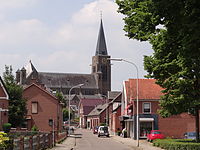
x=48, y=108
x=176, y=126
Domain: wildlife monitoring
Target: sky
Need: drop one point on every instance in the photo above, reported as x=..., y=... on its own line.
x=61, y=36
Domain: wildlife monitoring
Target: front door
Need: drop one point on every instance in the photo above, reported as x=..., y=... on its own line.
x=145, y=127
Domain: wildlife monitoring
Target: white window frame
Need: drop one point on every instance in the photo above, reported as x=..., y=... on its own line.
x=149, y=107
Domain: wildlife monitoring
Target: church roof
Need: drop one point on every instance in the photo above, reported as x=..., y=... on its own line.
x=29, y=69
x=101, y=48
x=67, y=80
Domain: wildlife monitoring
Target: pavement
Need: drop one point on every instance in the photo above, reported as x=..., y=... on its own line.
x=70, y=143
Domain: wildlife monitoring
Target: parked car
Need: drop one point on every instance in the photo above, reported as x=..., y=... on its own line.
x=190, y=135
x=95, y=130
x=155, y=134
x=103, y=131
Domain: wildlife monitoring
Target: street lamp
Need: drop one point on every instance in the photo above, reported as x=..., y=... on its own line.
x=137, y=114
x=79, y=85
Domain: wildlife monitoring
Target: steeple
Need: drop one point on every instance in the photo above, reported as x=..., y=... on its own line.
x=101, y=48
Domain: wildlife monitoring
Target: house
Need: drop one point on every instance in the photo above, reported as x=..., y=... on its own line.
x=115, y=113
x=99, y=115
x=4, y=98
x=149, y=119
x=85, y=107
x=44, y=109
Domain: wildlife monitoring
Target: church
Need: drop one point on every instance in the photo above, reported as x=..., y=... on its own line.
x=98, y=82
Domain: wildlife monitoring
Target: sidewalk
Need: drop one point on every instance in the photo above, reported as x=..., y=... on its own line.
x=143, y=144
x=68, y=144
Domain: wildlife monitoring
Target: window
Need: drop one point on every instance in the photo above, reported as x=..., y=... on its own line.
x=146, y=108
x=34, y=107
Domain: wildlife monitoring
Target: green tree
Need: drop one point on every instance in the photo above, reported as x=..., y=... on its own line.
x=172, y=28
x=17, y=104
x=66, y=114
x=61, y=98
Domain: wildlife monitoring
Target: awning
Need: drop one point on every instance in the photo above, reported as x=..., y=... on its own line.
x=129, y=120
x=146, y=119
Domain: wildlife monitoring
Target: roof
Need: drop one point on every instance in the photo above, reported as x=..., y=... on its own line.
x=29, y=69
x=98, y=110
x=67, y=80
x=148, y=89
x=90, y=104
x=113, y=94
x=3, y=87
x=117, y=98
x=101, y=48
x=96, y=96
x=40, y=88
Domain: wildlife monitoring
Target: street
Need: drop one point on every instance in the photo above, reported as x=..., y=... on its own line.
x=89, y=141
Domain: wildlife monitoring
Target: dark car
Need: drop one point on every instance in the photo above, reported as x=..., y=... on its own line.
x=95, y=130
x=190, y=135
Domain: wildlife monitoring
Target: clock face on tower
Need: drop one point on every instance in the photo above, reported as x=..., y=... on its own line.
x=104, y=60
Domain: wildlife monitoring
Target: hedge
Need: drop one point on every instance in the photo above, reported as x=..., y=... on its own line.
x=176, y=144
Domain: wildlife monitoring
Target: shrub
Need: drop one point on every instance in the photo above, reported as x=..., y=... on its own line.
x=34, y=128
x=176, y=144
x=3, y=140
x=6, y=127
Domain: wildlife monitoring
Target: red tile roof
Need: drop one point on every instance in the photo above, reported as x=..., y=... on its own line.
x=147, y=89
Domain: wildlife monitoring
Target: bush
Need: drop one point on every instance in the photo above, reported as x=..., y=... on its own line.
x=6, y=127
x=34, y=128
x=176, y=144
x=3, y=140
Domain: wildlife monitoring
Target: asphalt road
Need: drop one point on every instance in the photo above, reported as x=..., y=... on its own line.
x=89, y=141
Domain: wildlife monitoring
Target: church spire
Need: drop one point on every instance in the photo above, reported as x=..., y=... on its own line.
x=101, y=48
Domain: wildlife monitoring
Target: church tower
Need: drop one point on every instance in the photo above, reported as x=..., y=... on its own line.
x=101, y=66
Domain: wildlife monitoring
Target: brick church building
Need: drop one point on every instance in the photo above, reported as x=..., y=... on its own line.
x=98, y=82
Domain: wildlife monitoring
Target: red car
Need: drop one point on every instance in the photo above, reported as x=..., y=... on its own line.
x=155, y=134
x=95, y=130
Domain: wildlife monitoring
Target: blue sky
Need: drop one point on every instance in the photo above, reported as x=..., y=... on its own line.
x=61, y=36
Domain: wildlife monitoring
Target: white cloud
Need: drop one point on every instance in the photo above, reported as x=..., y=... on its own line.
x=70, y=46
x=11, y=4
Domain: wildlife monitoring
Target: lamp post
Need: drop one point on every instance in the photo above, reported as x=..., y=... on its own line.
x=79, y=85
x=137, y=89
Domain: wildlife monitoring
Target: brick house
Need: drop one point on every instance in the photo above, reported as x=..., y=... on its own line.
x=4, y=98
x=149, y=119
x=44, y=109
x=97, y=116
x=115, y=113
x=85, y=107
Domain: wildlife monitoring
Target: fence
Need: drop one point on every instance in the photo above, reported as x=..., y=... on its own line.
x=35, y=142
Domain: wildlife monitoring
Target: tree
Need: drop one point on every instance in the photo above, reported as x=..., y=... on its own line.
x=172, y=28
x=61, y=98
x=17, y=104
x=66, y=114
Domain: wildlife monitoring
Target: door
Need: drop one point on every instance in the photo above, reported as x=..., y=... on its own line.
x=145, y=127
